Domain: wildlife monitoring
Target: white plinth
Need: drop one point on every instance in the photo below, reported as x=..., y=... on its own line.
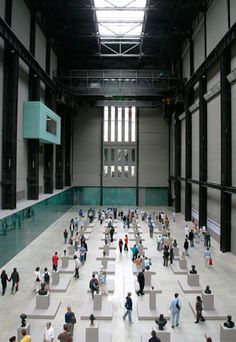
x=144, y=312
x=189, y=289
x=55, y=278
x=227, y=334
x=64, y=261
x=42, y=302
x=71, y=250
x=193, y=279
x=208, y=301
x=91, y=333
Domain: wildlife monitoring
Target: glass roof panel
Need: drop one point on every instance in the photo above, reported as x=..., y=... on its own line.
x=113, y=21
x=120, y=3
x=121, y=29
x=120, y=15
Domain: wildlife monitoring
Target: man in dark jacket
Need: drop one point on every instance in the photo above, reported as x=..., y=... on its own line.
x=129, y=307
x=15, y=280
x=141, y=281
x=154, y=337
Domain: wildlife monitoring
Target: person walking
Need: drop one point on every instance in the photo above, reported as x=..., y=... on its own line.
x=186, y=247
x=77, y=266
x=141, y=281
x=55, y=260
x=82, y=253
x=191, y=238
x=46, y=278
x=166, y=255
x=207, y=256
x=15, y=278
x=171, y=255
x=120, y=244
x=199, y=309
x=64, y=336
x=93, y=285
x=70, y=320
x=48, y=333
x=65, y=235
x=126, y=241
x=175, y=307
x=4, y=280
x=129, y=308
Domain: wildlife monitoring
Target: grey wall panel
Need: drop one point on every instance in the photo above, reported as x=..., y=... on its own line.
x=213, y=76
x=213, y=210
x=216, y=18
x=2, y=8
x=1, y=102
x=21, y=21
x=40, y=47
x=233, y=55
x=214, y=140
x=153, y=148
x=233, y=118
x=172, y=150
x=198, y=44
x=195, y=197
x=41, y=168
x=23, y=86
x=87, y=147
x=182, y=197
x=233, y=225
x=195, y=145
x=42, y=92
x=53, y=63
x=232, y=11
x=186, y=62
x=183, y=148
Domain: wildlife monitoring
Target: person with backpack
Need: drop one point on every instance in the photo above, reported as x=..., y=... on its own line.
x=93, y=285
x=175, y=307
x=46, y=277
x=70, y=321
x=129, y=308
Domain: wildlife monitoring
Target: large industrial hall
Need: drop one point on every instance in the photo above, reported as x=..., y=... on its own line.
x=118, y=170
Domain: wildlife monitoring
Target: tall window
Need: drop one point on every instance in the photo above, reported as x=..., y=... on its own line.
x=113, y=122
x=119, y=126
x=119, y=145
x=133, y=124
x=105, y=127
x=126, y=124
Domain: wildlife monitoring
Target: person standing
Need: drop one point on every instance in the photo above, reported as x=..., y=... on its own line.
x=77, y=266
x=46, y=278
x=126, y=241
x=64, y=336
x=112, y=232
x=65, y=234
x=199, y=309
x=55, y=260
x=129, y=308
x=15, y=278
x=120, y=244
x=70, y=320
x=166, y=255
x=175, y=307
x=171, y=255
x=37, y=279
x=173, y=216
x=82, y=253
x=186, y=247
x=48, y=333
x=191, y=238
x=4, y=280
x=25, y=338
x=154, y=337
x=141, y=281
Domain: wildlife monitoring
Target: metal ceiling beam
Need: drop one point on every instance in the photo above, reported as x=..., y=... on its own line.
x=8, y=35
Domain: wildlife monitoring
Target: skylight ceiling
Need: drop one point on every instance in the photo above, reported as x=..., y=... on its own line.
x=115, y=21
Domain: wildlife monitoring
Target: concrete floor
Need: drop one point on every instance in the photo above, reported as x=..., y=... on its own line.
x=221, y=278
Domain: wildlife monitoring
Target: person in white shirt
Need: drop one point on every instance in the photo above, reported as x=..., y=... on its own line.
x=48, y=334
x=186, y=230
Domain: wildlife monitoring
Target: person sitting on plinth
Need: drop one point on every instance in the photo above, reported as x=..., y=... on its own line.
x=161, y=322
x=193, y=270
x=43, y=291
x=229, y=323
